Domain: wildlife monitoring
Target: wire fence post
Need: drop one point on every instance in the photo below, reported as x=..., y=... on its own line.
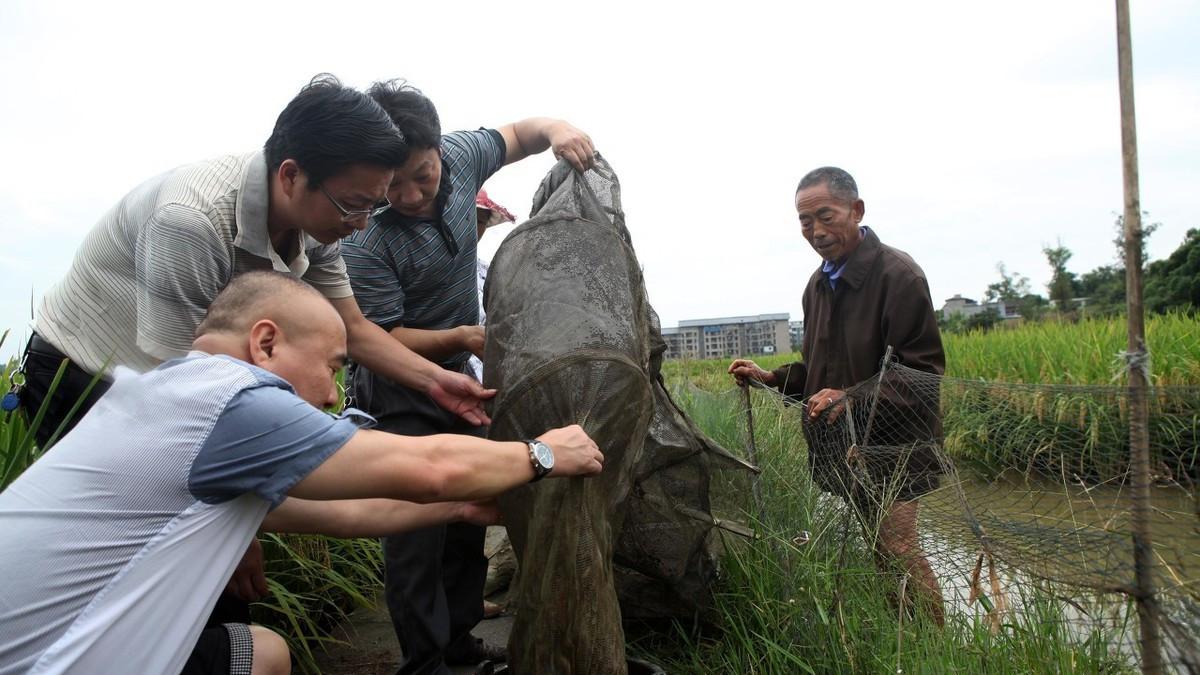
x=1137, y=358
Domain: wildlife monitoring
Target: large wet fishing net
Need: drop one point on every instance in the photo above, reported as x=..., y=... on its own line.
x=1019, y=499
x=572, y=339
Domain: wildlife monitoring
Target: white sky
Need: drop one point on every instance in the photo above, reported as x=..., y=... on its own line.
x=977, y=132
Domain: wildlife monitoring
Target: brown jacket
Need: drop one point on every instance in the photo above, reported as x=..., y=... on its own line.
x=881, y=299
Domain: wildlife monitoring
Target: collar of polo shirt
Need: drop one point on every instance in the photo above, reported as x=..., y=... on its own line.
x=254, y=195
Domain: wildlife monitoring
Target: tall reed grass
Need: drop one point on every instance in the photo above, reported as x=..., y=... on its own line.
x=806, y=597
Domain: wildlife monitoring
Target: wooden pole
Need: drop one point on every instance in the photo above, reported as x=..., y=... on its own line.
x=752, y=449
x=1138, y=358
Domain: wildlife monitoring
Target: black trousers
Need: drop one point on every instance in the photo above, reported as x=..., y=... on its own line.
x=42, y=361
x=433, y=577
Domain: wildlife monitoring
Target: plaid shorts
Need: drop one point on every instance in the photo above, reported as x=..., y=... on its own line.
x=227, y=649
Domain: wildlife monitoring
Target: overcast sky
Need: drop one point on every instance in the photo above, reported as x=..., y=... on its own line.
x=978, y=132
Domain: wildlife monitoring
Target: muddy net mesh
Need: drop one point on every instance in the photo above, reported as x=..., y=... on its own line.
x=572, y=340
x=1025, y=498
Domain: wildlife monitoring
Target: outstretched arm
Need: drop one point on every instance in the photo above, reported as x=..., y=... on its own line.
x=440, y=468
x=532, y=136
x=348, y=518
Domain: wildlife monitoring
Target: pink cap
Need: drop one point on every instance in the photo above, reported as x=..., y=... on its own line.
x=499, y=214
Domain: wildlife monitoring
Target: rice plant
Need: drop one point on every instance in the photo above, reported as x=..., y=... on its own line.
x=806, y=596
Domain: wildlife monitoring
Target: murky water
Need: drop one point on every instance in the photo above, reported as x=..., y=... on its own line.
x=1018, y=549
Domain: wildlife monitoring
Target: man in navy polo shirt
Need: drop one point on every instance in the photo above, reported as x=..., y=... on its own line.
x=413, y=273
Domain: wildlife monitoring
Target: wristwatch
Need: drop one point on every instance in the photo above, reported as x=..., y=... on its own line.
x=542, y=458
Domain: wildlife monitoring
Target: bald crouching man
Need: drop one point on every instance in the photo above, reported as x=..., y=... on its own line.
x=125, y=531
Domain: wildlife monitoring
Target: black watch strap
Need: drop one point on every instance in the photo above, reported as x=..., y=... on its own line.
x=540, y=470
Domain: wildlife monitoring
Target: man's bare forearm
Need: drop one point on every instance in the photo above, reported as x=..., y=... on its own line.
x=349, y=518
x=442, y=468
x=422, y=469
x=374, y=348
x=435, y=345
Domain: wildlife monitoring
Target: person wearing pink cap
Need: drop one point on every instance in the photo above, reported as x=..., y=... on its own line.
x=487, y=214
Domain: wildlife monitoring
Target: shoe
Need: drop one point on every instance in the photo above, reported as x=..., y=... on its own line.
x=491, y=609
x=471, y=651
x=492, y=668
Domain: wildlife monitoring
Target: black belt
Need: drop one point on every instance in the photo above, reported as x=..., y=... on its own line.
x=40, y=346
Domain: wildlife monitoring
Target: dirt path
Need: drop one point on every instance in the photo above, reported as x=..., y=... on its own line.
x=369, y=645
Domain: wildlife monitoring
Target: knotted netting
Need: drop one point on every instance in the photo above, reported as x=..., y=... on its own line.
x=572, y=339
x=1025, y=516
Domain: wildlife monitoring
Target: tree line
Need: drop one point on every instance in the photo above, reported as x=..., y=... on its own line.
x=1171, y=284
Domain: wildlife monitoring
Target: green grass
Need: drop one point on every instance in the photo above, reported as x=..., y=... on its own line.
x=1051, y=352
x=1082, y=352
x=790, y=604
x=1064, y=430
x=314, y=582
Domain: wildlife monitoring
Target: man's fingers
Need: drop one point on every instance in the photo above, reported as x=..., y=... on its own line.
x=587, y=153
x=576, y=159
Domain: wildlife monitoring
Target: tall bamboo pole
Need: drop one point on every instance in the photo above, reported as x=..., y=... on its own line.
x=1138, y=358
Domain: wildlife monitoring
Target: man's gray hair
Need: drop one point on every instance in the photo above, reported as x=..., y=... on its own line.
x=841, y=184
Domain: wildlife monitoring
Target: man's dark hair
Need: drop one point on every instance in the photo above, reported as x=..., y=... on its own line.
x=329, y=127
x=234, y=308
x=841, y=184
x=411, y=111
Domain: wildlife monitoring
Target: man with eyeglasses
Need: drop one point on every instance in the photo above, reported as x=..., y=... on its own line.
x=147, y=272
x=123, y=533
x=414, y=272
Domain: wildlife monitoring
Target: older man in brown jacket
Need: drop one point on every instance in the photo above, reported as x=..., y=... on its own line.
x=865, y=297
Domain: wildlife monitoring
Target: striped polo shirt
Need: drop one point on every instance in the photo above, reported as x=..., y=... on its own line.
x=147, y=272
x=420, y=272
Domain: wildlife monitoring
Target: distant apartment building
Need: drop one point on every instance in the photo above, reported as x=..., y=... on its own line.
x=968, y=308
x=729, y=337
x=796, y=334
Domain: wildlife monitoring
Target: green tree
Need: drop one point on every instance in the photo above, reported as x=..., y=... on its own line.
x=984, y=321
x=1010, y=288
x=1174, y=283
x=1033, y=307
x=1063, y=284
x=1014, y=291
x=1104, y=287
x=955, y=323
x=1119, y=241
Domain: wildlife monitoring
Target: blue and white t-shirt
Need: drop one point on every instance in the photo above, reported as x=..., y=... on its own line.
x=124, y=533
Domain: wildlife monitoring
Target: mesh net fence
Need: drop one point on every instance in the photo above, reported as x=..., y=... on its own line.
x=572, y=339
x=1012, y=503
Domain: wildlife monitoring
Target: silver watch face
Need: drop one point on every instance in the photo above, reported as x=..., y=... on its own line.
x=545, y=456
